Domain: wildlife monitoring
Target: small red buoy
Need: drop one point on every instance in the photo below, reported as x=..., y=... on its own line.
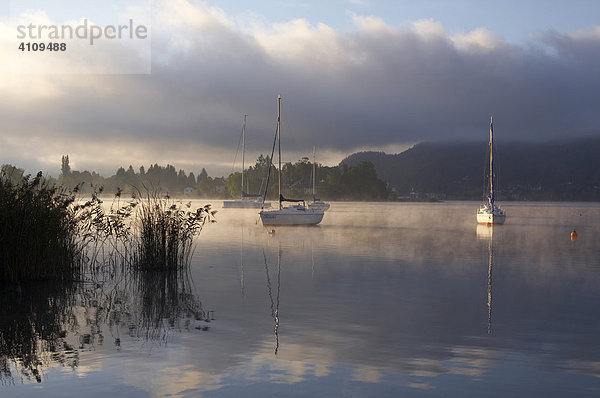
x=574, y=235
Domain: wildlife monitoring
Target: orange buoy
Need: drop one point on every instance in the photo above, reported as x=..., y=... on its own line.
x=574, y=235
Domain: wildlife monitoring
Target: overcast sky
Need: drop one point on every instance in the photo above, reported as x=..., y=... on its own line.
x=353, y=75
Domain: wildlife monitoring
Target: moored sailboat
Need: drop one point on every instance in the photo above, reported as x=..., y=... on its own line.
x=489, y=212
x=297, y=214
x=247, y=201
x=316, y=203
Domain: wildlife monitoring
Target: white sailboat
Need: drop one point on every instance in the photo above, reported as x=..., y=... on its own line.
x=316, y=204
x=297, y=214
x=247, y=201
x=489, y=212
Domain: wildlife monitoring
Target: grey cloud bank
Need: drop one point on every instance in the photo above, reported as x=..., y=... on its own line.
x=374, y=86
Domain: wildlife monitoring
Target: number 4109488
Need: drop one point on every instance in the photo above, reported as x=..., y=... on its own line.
x=43, y=47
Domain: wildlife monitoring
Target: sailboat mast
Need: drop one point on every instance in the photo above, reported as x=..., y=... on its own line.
x=314, y=173
x=279, y=141
x=492, y=159
x=243, y=151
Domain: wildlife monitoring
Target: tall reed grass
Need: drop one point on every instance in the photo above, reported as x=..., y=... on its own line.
x=38, y=231
x=51, y=242
x=46, y=233
x=164, y=231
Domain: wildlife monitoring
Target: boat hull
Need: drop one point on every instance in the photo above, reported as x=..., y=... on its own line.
x=491, y=218
x=245, y=204
x=291, y=216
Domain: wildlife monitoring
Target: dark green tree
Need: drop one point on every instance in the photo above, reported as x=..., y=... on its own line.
x=203, y=176
x=12, y=173
x=65, y=168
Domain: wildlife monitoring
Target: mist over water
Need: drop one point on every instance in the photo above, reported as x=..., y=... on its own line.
x=380, y=299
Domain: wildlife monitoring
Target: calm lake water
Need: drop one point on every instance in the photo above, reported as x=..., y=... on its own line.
x=381, y=299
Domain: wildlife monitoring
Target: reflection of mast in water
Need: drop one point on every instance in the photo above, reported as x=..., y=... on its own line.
x=276, y=330
x=274, y=303
x=312, y=257
x=242, y=263
x=490, y=264
x=486, y=232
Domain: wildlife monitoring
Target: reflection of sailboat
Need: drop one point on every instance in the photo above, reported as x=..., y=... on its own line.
x=247, y=201
x=316, y=203
x=242, y=264
x=297, y=214
x=486, y=232
x=312, y=261
x=490, y=264
x=274, y=303
x=489, y=213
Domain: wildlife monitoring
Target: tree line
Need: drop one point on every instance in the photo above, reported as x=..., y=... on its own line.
x=343, y=182
x=358, y=182
x=166, y=179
